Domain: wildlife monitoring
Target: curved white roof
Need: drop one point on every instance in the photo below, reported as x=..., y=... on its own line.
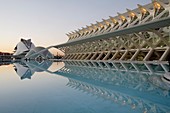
x=44, y=54
x=23, y=45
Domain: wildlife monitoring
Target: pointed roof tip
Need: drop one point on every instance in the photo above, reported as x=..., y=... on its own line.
x=128, y=9
x=87, y=26
x=69, y=33
x=118, y=13
x=93, y=24
x=22, y=39
x=139, y=5
x=103, y=19
x=112, y=18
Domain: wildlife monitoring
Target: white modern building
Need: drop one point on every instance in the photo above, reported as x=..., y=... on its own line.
x=22, y=48
x=45, y=54
x=25, y=49
x=141, y=34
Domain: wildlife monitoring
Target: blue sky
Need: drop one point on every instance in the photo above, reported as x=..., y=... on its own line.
x=47, y=21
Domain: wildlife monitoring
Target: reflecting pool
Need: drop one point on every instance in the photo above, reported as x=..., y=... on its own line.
x=83, y=87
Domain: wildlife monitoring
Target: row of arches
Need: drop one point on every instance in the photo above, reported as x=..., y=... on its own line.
x=146, y=45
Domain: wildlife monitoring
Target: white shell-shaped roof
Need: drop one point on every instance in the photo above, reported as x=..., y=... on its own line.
x=23, y=46
x=44, y=53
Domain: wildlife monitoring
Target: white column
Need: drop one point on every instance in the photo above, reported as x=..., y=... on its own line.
x=149, y=54
x=123, y=56
x=92, y=58
x=135, y=55
x=114, y=55
x=88, y=56
x=166, y=53
x=107, y=55
x=100, y=56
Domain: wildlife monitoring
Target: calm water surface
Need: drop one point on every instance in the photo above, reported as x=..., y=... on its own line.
x=58, y=87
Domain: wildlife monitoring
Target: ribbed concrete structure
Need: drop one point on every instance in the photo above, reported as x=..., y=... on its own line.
x=142, y=34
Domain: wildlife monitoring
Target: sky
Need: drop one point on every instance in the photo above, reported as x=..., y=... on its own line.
x=46, y=22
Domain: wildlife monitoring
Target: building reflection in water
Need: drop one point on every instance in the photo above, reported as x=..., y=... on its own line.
x=27, y=69
x=139, y=86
